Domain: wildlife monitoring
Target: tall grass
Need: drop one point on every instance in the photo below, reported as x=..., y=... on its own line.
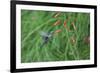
x=70, y=43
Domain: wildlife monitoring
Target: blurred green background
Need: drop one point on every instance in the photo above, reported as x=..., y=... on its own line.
x=70, y=43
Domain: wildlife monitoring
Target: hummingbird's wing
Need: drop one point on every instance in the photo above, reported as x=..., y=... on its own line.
x=45, y=34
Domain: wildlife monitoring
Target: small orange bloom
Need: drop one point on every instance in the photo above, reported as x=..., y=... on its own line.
x=57, y=31
x=57, y=22
x=65, y=25
x=73, y=40
x=73, y=25
x=57, y=14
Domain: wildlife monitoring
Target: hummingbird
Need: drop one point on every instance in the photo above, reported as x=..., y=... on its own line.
x=46, y=37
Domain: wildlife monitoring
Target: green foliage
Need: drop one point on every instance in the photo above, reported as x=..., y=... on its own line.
x=61, y=46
